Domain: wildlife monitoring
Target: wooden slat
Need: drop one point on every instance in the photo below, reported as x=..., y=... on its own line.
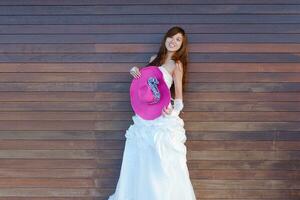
x=110, y=96
x=123, y=125
x=124, y=87
x=104, y=174
x=195, y=57
x=245, y=135
x=143, y=2
x=243, y=145
x=243, y=87
x=218, y=174
x=146, y=48
x=49, y=182
x=251, y=194
x=244, y=155
x=100, y=183
x=246, y=184
x=150, y=19
x=115, y=163
x=126, y=77
x=150, y=9
x=117, y=154
x=108, y=106
x=190, y=116
x=125, y=67
x=150, y=28
x=63, y=154
x=54, y=192
x=151, y=38
x=239, y=116
x=119, y=135
x=54, y=198
x=64, y=145
x=63, y=135
x=113, y=144
x=239, y=96
x=242, y=165
x=62, y=163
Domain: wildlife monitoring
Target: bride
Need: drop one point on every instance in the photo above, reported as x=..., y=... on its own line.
x=154, y=160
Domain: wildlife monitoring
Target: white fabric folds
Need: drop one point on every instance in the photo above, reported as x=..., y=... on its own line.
x=154, y=159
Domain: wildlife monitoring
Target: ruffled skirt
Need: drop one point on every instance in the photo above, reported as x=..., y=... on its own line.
x=154, y=161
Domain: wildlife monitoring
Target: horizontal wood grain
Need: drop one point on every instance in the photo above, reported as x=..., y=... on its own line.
x=150, y=9
x=251, y=194
x=54, y=198
x=243, y=165
x=146, y=48
x=142, y=57
x=238, y=77
x=125, y=67
x=52, y=192
x=73, y=96
x=115, y=144
x=50, y=182
x=17, y=163
x=120, y=135
x=244, y=135
x=117, y=154
x=148, y=38
x=108, y=106
x=123, y=125
x=151, y=19
x=124, y=87
x=148, y=28
x=143, y=2
x=188, y=115
x=234, y=174
x=109, y=183
x=63, y=154
x=243, y=155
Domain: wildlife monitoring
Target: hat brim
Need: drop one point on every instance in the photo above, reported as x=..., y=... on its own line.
x=143, y=109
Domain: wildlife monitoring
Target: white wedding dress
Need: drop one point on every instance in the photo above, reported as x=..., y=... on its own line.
x=154, y=159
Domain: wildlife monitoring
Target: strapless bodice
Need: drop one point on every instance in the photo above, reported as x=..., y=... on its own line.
x=167, y=76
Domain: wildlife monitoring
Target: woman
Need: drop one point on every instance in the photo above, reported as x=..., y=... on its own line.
x=154, y=159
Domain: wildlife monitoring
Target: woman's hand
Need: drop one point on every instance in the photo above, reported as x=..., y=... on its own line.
x=135, y=72
x=167, y=111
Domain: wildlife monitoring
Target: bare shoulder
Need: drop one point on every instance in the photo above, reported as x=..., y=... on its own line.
x=152, y=58
x=173, y=66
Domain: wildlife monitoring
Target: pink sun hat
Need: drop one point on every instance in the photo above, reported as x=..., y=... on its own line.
x=149, y=93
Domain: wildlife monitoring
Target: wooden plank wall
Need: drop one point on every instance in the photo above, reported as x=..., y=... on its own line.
x=65, y=106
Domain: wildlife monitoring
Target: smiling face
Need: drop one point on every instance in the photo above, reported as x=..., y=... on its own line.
x=174, y=43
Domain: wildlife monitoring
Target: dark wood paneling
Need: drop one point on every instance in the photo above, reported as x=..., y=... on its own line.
x=64, y=102
x=148, y=28
x=150, y=19
x=151, y=9
x=145, y=48
x=151, y=38
x=124, y=67
x=144, y=2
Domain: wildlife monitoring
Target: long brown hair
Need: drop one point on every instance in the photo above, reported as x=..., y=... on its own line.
x=181, y=54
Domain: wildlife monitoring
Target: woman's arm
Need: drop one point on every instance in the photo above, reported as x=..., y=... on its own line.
x=178, y=101
x=177, y=77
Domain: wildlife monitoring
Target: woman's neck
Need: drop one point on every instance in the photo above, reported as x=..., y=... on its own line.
x=169, y=56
